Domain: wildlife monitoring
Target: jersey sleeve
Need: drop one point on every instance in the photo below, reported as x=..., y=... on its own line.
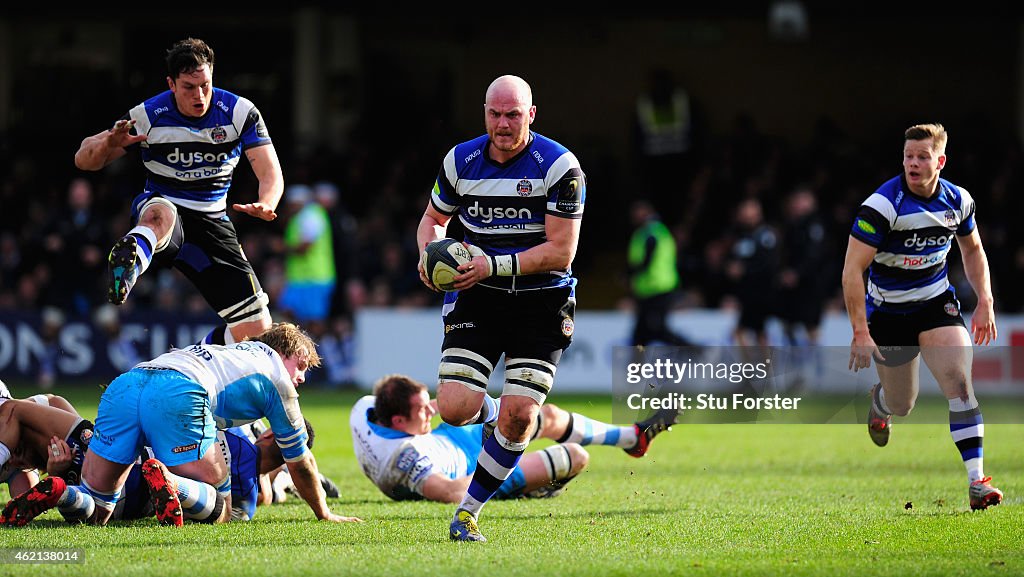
x=874, y=220
x=407, y=471
x=252, y=127
x=285, y=416
x=443, y=197
x=967, y=224
x=567, y=189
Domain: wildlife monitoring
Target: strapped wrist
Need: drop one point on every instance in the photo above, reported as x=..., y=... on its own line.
x=505, y=265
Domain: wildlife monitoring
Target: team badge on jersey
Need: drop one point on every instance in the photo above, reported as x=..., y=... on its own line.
x=568, y=327
x=950, y=217
x=951, y=309
x=524, y=188
x=219, y=134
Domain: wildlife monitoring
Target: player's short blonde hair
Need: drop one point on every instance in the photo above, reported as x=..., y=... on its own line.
x=290, y=341
x=935, y=131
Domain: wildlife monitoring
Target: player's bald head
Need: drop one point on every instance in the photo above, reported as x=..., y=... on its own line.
x=509, y=87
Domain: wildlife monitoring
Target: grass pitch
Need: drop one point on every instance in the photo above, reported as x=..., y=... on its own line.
x=739, y=499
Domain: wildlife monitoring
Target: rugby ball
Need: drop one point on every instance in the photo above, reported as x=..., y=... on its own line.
x=440, y=260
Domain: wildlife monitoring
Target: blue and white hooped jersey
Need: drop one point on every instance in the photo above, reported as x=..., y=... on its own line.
x=502, y=206
x=246, y=381
x=399, y=463
x=912, y=236
x=190, y=161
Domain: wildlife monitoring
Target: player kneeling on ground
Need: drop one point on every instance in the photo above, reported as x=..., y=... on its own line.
x=214, y=386
x=407, y=459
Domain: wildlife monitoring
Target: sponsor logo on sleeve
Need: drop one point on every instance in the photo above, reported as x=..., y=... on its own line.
x=865, y=226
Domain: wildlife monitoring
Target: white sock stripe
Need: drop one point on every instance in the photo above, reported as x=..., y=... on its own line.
x=472, y=505
x=103, y=500
x=975, y=469
x=507, y=444
x=487, y=463
x=146, y=233
x=975, y=431
x=193, y=511
x=579, y=428
x=958, y=405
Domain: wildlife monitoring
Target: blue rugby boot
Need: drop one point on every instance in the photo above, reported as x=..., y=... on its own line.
x=464, y=528
x=122, y=268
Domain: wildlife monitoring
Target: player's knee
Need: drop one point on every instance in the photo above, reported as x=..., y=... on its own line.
x=517, y=424
x=454, y=408
x=579, y=458
x=550, y=412
x=900, y=408
x=159, y=215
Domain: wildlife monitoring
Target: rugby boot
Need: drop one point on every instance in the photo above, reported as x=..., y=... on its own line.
x=34, y=502
x=122, y=269
x=983, y=494
x=646, y=430
x=164, y=493
x=464, y=528
x=879, y=425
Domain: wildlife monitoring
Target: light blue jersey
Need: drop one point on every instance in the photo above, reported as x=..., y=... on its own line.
x=244, y=381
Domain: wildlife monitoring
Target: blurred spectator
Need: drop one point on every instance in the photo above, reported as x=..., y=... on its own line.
x=309, y=260
x=664, y=140
x=123, y=353
x=349, y=293
x=754, y=258
x=75, y=243
x=806, y=263
x=653, y=277
x=53, y=322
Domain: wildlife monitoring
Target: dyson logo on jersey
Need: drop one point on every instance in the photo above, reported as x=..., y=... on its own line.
x=487, y=214
x=924, y=242
x=187, y=159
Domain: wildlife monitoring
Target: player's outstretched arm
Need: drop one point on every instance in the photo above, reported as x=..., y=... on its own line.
x=99, y=150
x=307, y=483
x=267, y=168
x=858, y=257
x=983, y=321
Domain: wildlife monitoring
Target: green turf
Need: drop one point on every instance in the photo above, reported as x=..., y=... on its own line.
x=740, y=499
